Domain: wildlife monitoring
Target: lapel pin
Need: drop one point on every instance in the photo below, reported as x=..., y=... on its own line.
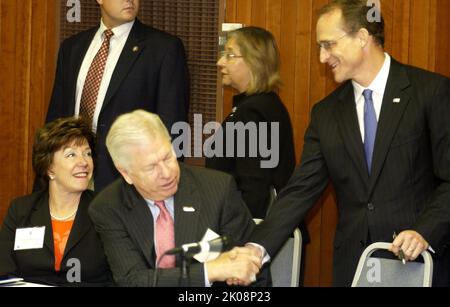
x=397, y=100
x=135, y=49
x=188, y=209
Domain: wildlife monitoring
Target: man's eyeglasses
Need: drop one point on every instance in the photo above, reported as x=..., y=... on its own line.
x=229, y=56
x=328, y=45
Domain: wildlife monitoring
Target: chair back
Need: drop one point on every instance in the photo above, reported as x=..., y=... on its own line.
x=286, y=265
x=380, y=272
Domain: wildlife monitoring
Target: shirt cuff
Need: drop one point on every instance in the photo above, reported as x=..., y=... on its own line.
x=265, y=255
x=207, y=283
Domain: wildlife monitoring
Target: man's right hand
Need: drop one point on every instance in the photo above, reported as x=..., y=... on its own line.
x=250, y=250
x=236, y=265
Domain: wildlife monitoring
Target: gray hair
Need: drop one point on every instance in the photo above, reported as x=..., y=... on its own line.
x=131, y=129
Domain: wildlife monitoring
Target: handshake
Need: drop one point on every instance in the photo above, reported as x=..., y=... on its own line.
x=237, y=267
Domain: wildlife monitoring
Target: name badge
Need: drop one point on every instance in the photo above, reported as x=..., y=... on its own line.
x=29, y=238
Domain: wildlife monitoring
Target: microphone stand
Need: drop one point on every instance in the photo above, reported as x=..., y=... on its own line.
x=185, y=279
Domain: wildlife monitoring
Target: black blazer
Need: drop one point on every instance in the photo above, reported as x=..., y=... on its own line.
x=39, y=265
x=253, y=181
x=125, y=224
x=410, y=183
x=153, y=77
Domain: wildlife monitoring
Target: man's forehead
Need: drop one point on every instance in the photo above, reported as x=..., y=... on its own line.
x=329, y=25
x=147, y=149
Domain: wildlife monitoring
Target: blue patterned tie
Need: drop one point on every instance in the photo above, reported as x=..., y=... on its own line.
x=370, y=127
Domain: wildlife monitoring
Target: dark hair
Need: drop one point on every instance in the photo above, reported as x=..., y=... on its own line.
x=53, y=136
x=355, y=15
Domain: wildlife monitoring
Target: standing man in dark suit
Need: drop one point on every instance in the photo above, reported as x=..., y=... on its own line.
x=382, y=139
x=118, y=67
x=159, y=204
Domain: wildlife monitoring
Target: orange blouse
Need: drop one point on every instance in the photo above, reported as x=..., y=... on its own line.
x=61, y=232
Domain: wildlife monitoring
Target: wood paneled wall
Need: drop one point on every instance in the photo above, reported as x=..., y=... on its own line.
x=442, y=37
x=416, y=33
x=28, y=44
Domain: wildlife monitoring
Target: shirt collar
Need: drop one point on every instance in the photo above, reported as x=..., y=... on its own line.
x=378, y=85
x=169, y=202
x=119, y=31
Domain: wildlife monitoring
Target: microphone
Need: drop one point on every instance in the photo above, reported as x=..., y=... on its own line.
x=188, y=250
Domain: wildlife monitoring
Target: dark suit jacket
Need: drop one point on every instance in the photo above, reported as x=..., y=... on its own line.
x=410, y=183
x=253, y=181
x=154, y=78
x=125, y=224
x=39, y=265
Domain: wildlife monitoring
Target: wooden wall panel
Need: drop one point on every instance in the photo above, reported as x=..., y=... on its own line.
x=259, y=12
x=288, y=52
x=273, y=22
x=27, y=63
x=399, y=20
x=315, y=270
x=414, y=35
x=422, y=32
x=244, y=11
x=12, y=61
x=442, y=40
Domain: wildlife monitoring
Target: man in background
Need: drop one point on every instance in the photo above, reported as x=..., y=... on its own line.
x=120, y=66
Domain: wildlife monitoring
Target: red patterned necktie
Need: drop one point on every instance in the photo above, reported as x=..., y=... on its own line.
x=94, y=78
x=165, y=236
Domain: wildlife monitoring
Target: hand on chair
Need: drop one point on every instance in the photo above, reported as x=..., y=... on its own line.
x=411, y=243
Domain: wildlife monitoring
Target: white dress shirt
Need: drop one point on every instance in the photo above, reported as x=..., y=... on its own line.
x=378, y=86
x=117, y=44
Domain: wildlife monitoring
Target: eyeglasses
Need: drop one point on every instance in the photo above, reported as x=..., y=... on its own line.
x=328, y=45
x=229, y=56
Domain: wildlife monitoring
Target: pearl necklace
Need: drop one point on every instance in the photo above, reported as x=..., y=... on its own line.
x=65, y=218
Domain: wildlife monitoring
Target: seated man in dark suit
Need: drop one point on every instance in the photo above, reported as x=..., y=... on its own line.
x=161, y=203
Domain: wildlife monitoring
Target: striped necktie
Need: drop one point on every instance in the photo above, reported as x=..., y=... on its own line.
x=94, y=79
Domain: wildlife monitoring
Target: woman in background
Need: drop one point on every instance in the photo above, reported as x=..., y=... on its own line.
x=250, y=64
x=68, y=252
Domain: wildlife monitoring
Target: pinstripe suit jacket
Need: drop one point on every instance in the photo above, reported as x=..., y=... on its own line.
x=410, y=183
x=125, y=224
